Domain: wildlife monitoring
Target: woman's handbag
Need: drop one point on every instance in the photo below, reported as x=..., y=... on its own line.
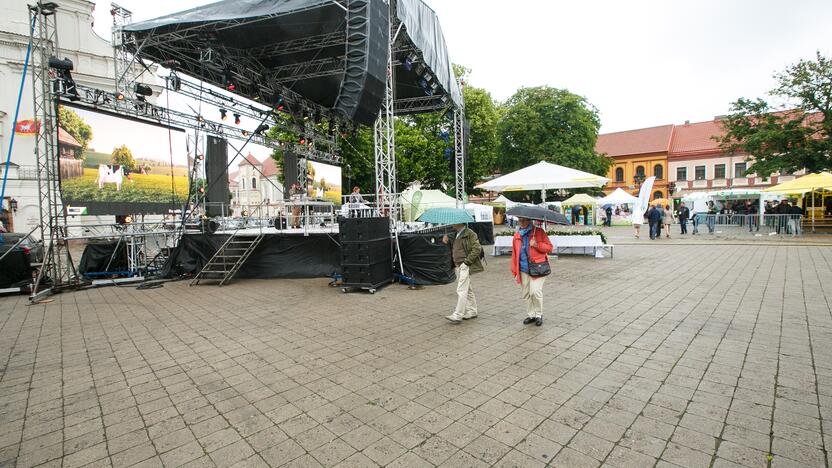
x=539, y=269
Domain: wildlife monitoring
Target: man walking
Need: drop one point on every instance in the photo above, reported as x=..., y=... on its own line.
x=465, y=249
x=684, y=215
x=654, y=217
x=608, y=212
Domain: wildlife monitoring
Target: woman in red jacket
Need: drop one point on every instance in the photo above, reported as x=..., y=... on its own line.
x=531, y=245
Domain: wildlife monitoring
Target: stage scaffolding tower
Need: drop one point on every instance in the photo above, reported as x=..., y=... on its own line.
x=459, y=155
x=57, y=266
x=125, y=72
x=385, y=134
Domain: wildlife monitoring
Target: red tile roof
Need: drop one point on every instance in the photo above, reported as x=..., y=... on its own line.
x=64, y=138
x=631, y=142
x=249, y=160
x=696, y=138
x=270, y=167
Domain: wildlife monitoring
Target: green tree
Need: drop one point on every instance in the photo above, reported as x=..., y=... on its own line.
x=548, y=124
x=793, y=136
x=123, y=156
x=75, y=126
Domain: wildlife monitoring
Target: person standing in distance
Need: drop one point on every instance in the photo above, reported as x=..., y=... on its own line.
x=684, y=215
x=530, y=266
x=465, y=250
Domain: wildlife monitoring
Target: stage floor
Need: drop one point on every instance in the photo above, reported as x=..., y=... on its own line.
x=310, y=230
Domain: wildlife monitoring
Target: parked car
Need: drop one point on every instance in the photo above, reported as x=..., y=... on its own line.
x=31, y=247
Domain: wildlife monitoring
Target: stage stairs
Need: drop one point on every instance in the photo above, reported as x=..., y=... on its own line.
x=228, y=259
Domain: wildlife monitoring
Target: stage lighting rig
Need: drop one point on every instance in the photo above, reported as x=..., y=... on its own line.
x=142, y=91
x=223, y=114
x=236, y=119
x=63, y=68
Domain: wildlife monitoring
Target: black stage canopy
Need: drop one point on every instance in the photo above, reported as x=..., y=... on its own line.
x=331, y=53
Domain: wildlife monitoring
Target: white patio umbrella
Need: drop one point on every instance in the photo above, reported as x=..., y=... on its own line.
x=543, y=176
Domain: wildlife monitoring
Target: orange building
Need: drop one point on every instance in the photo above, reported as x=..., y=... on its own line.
x=637, y=155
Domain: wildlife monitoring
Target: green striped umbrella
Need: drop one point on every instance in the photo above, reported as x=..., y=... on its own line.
x=446, y=216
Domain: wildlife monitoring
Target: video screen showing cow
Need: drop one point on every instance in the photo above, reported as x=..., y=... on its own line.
x=323, y=182
x=114, y=166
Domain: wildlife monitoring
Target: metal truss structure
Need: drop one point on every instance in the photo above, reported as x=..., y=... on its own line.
x=143, y=110
x=125, y=73
x=57, y=270
x=384, y=133
x=459, y=156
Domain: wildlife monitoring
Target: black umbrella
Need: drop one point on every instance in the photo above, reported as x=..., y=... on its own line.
x=537, y=213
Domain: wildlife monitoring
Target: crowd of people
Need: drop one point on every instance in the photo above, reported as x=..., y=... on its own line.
x=743, y=213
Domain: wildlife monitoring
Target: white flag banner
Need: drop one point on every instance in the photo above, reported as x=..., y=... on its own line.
x=645, y=192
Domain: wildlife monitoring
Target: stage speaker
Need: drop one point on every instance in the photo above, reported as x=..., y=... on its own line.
x=362, y=89
x=290, y=172
x=363, y=229
x=366, y=252
x=216, y=174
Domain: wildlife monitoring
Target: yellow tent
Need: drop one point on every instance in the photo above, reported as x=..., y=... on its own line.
x=580, y=199
x=807, y=183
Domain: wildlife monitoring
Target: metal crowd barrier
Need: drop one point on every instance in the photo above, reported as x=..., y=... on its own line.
x=752, y=224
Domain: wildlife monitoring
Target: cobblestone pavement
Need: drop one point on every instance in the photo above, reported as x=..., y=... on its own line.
x=685, y=355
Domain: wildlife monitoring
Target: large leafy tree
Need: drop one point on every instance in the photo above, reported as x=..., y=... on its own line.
x=548, y=124
x=794, y=135
x=123, y=156
x=75, y=126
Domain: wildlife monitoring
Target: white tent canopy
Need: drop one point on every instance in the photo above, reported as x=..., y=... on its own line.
x=543, y=176
x=618, y=197
x=416, y=201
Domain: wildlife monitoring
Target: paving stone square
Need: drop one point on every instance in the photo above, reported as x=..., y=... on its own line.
x=711, y=355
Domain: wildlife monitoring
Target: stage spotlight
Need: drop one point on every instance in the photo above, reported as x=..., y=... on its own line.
x=201, y=189
x=119, y=97
x=302, y=140
x=58, y=64
x=223, y=114
x=142, y=91
x=317, y=117
x=244, y=132
x=236, y=119
x=174, y=82
x=262, y=128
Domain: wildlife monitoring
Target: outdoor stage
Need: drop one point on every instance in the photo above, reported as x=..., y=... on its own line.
x=310, y=252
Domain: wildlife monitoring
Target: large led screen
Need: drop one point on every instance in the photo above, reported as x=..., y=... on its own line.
x=112, y=165
x=323, y=182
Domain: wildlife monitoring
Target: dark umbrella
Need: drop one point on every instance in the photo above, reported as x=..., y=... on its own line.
x=537, y=213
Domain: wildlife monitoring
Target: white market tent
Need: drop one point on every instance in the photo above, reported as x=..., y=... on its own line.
x=416, y=201
x=481, y=213
x=618, y=197
x=543, y=176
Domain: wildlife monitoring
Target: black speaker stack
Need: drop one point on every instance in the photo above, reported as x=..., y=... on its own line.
x=216, y=173
x=366, y=252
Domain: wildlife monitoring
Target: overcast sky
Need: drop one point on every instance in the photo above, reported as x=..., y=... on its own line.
x=640, y=62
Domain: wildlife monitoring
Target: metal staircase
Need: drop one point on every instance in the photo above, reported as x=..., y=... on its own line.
x=228, y=259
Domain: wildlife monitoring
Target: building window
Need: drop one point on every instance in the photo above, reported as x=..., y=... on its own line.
x=682, y=173
x=739, y=169
x=699, y=173
x=619, y=174
x=254, y=183
x=242, y=183
x=657, y=194
x=719, y=171
x=639, y=174
x=658, y=171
